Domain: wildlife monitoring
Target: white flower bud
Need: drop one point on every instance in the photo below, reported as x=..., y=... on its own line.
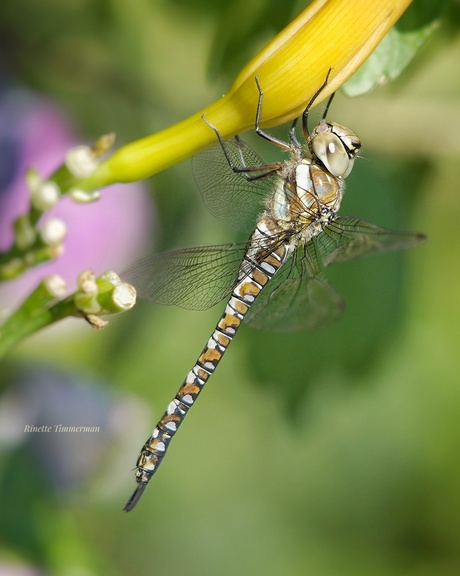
x=124, y=296
x=87, y=282
x=45, y=195
x=56, y=285
x=112, y=277
x=53, y=232
x=81, y=161
x=83, y=197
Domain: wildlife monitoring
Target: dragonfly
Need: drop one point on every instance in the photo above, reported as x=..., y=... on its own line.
x=276, y=279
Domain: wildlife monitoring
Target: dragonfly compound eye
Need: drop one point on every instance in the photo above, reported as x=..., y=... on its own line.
x=330, y=150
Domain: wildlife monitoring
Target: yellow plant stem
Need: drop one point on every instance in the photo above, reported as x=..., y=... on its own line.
x=336, y=34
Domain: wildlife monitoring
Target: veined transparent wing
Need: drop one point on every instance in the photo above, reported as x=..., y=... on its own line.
x=193, y=278
x=227, y=194
x=348, y=237
x=297, y=298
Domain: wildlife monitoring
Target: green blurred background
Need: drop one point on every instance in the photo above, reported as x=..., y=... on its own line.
x=328, y=453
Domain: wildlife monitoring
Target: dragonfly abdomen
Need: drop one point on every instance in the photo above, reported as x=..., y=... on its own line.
x=243, y=295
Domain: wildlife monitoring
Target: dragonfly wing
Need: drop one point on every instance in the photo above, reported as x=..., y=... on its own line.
x=227, y=194
x=193, y=278
x=297, y=298
x=347, y=238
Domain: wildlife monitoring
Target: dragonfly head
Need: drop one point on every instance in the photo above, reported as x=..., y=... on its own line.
x=335, y=147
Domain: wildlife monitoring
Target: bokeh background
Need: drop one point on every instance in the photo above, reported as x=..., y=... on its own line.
x=328, y=453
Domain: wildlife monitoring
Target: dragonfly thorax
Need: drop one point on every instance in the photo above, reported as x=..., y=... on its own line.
x=310, y=185
x=305, y=194
x=318, y=190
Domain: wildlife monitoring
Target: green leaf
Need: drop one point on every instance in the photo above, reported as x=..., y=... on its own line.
x=398, y=48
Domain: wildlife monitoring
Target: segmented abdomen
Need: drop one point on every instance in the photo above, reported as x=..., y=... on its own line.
x=246, y=290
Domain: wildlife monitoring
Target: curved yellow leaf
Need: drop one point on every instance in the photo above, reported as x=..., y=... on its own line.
x=336, y=34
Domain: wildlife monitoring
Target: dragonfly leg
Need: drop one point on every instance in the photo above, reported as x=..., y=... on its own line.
x=248, y=172
x=305, y=129
x=280, y=143
x=293, y=140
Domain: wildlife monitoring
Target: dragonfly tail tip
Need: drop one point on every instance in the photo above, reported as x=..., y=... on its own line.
x=135, y=497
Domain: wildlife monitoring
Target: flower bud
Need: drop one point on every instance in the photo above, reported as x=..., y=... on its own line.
x=53, y=232
x=45, y=195
x=81, y=161
x=83, y=197
x=55, y=285
x=106, y=294
x=24, y=232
